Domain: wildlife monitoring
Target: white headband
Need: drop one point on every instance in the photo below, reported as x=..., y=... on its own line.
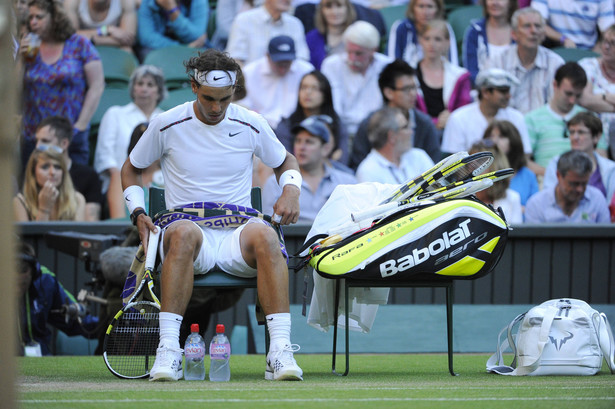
x=215, y=78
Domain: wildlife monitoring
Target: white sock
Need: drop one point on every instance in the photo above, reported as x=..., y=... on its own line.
x=279, y=330
x=169, y=329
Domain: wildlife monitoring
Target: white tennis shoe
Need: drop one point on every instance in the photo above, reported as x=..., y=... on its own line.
x=168, y=365
x=281, y=365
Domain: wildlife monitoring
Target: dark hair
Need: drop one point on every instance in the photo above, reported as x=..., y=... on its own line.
x=62, y=128
x=319, y=19
x=27, y=256
x=576, y=161
x=137, y=133
x=391, y=72
x=325, y=109
x=574, y=72
x=61, y=26
x=590, y=120
x=516, y=154
x=212, y=59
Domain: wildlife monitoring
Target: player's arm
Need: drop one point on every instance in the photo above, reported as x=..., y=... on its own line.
x=286, y=208
x=135, y=200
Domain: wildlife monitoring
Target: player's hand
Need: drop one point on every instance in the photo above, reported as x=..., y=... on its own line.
x=144, y=226
x=286, y=209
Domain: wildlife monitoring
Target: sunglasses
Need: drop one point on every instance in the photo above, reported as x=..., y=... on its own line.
x=44, y=147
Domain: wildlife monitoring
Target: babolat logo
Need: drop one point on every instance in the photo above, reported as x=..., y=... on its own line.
x=449, y=239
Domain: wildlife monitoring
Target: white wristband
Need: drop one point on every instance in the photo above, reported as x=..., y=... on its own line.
x=134, y=198
x=290, y=177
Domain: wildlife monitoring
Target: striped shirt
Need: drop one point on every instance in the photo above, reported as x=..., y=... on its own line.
x=577, y=19
x=535, y=84
x=546, y=129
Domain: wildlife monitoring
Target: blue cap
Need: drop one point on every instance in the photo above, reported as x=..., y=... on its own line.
x=315, y=125
x=282, y=48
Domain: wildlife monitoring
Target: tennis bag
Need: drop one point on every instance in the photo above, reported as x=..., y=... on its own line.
x=557, y=337
x=460, y=238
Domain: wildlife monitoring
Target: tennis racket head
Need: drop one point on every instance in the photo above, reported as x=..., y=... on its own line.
x=409, y=188
x=131, y=340
x=465, y=168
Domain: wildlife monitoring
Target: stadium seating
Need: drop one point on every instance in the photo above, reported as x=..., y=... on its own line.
x=574, y=54
x=171, y=61
x=459, y=19
x=177, y=97
x=118, y=65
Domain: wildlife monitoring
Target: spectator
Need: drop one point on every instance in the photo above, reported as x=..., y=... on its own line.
x=547, y=124
x=398, y=88
x=599, y=93
x=443, y=87
x=147, y=90
x=571, y=199
x=354, y=74
x=48, y=192
x=488, y=36
x=572, y=24
x=507, y=138
x=44, y=303
x=272, y=81
x=332, y=18
x=105, y=22
x=404, y=34
x=315, y=98
x=57, y=131
x=467, y=124
x=392, y=158
x=226, y=11
x=500, y=195
x=64, y=79
x=312, y=146
x=532, y=64
x=584, y=131
x=252, y=30
x=165, y=23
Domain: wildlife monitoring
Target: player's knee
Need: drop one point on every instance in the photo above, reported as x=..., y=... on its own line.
x=182, y=237
x=263, y=238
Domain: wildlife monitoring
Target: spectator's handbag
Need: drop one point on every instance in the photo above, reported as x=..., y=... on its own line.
x=460, y=238
x=557, y=337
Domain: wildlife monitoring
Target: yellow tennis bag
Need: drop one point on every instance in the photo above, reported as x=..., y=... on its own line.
x=459, y=238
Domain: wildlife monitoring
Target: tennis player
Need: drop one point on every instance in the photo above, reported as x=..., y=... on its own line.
x=206, y=149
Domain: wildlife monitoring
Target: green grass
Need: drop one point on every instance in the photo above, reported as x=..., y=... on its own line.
x=375, y=381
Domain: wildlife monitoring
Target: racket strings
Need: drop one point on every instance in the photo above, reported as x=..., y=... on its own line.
x=132, y=342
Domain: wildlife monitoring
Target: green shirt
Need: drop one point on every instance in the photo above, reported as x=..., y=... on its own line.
x=546, y=130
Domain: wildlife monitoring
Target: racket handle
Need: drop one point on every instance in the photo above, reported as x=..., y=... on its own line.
x=152, y=249
x=372, y=212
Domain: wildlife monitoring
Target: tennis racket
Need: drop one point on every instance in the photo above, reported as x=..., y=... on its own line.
x=408, y=188
x=132, y=336
x=456, y=189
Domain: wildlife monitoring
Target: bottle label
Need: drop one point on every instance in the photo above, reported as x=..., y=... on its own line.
x=194, y=351
x=220, y=351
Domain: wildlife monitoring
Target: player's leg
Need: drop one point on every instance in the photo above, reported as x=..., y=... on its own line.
x=181, y=243
x=260, y=248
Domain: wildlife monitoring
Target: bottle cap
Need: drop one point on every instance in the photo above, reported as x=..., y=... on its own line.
x=194, y=328
x=220, y=329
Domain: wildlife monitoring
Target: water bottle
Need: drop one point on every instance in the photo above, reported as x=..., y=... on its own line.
x=194, y=351
x=220, y=354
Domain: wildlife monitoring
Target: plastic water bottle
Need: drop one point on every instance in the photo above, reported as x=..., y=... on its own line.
x=194, y=350
x=220, y=354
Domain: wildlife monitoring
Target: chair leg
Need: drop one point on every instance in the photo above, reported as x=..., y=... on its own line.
x=449, y=326
x=336, y=305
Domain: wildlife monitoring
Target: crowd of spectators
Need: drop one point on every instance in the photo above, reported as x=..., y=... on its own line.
x=352, y=103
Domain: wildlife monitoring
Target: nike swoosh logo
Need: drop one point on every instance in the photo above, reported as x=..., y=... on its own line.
x=218, y=78
x=233, y=134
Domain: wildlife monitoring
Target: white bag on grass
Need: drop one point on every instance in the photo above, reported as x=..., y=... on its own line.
x=557, y=337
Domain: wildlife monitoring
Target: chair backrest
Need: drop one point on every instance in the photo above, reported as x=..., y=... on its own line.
x=177, y=97
x=118, y=65
x=171, y=61
x=459, y=19
x=157, y=201
x=574, y=54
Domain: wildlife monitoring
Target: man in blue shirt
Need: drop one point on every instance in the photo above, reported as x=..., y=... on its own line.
x=571, y=200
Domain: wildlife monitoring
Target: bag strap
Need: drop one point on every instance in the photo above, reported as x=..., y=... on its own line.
x=543, y=338
x=607, y=343
x=495, y=363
